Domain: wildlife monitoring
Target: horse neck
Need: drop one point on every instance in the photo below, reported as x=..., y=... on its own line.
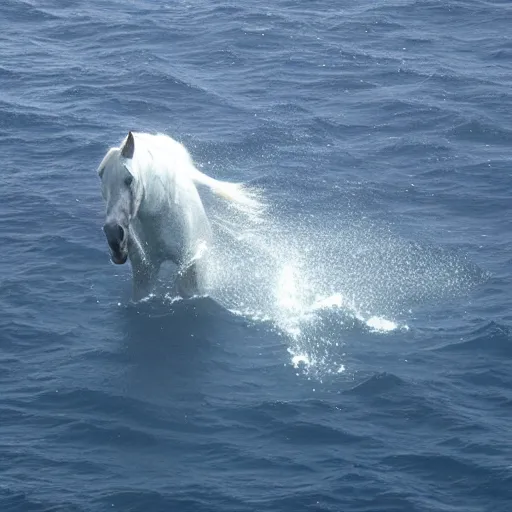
x=158, y=196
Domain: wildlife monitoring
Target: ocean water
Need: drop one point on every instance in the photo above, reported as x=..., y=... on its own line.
x=355, y=351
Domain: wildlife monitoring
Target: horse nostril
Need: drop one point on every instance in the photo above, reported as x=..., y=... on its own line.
x=115, y=234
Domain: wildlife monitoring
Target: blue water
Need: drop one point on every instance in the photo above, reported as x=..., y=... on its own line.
x=355, y=353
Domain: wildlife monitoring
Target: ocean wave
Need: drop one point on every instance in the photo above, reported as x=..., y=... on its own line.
x=491, y=338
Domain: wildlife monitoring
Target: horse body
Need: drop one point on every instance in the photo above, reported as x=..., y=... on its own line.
x=154, y=211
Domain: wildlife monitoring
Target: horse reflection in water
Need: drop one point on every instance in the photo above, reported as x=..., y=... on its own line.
x=154, y=213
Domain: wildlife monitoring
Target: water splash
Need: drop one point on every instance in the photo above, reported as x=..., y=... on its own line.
x=316, y=278
x=137, y=242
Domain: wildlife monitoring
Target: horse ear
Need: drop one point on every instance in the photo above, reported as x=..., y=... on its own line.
x=129, y=147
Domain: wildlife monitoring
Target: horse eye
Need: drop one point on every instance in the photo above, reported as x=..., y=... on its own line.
x=128, y=180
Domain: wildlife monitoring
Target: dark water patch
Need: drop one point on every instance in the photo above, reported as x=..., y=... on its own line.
x=377, y=384
x=300, y=433
x=490, y=339
x=496, y=378
x=19, y=501
x=113, y=436
x=428, y=464
x=478, y=131
x=29, y=13
x=135, y=500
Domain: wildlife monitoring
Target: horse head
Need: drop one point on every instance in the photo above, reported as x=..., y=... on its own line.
x=122, y=192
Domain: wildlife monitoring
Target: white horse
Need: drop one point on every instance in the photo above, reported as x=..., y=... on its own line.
x=154, y=212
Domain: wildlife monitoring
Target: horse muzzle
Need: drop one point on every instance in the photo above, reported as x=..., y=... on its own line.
x=119, y=258
x=117, y=240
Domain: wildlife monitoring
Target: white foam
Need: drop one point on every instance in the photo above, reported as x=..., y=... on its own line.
x=318, y=278
x=300, y=358
x=136, y=240
x=286, y=292
x=333, y=301
x=380, y=324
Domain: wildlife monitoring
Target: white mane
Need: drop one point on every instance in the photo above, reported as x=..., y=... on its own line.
x=157, y=155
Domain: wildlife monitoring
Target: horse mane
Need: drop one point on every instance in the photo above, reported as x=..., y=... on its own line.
x=160, y=149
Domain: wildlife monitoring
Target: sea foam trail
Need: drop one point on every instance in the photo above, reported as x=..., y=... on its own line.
x=313, y=279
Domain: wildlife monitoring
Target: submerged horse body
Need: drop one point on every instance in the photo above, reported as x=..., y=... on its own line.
x=154, y=212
